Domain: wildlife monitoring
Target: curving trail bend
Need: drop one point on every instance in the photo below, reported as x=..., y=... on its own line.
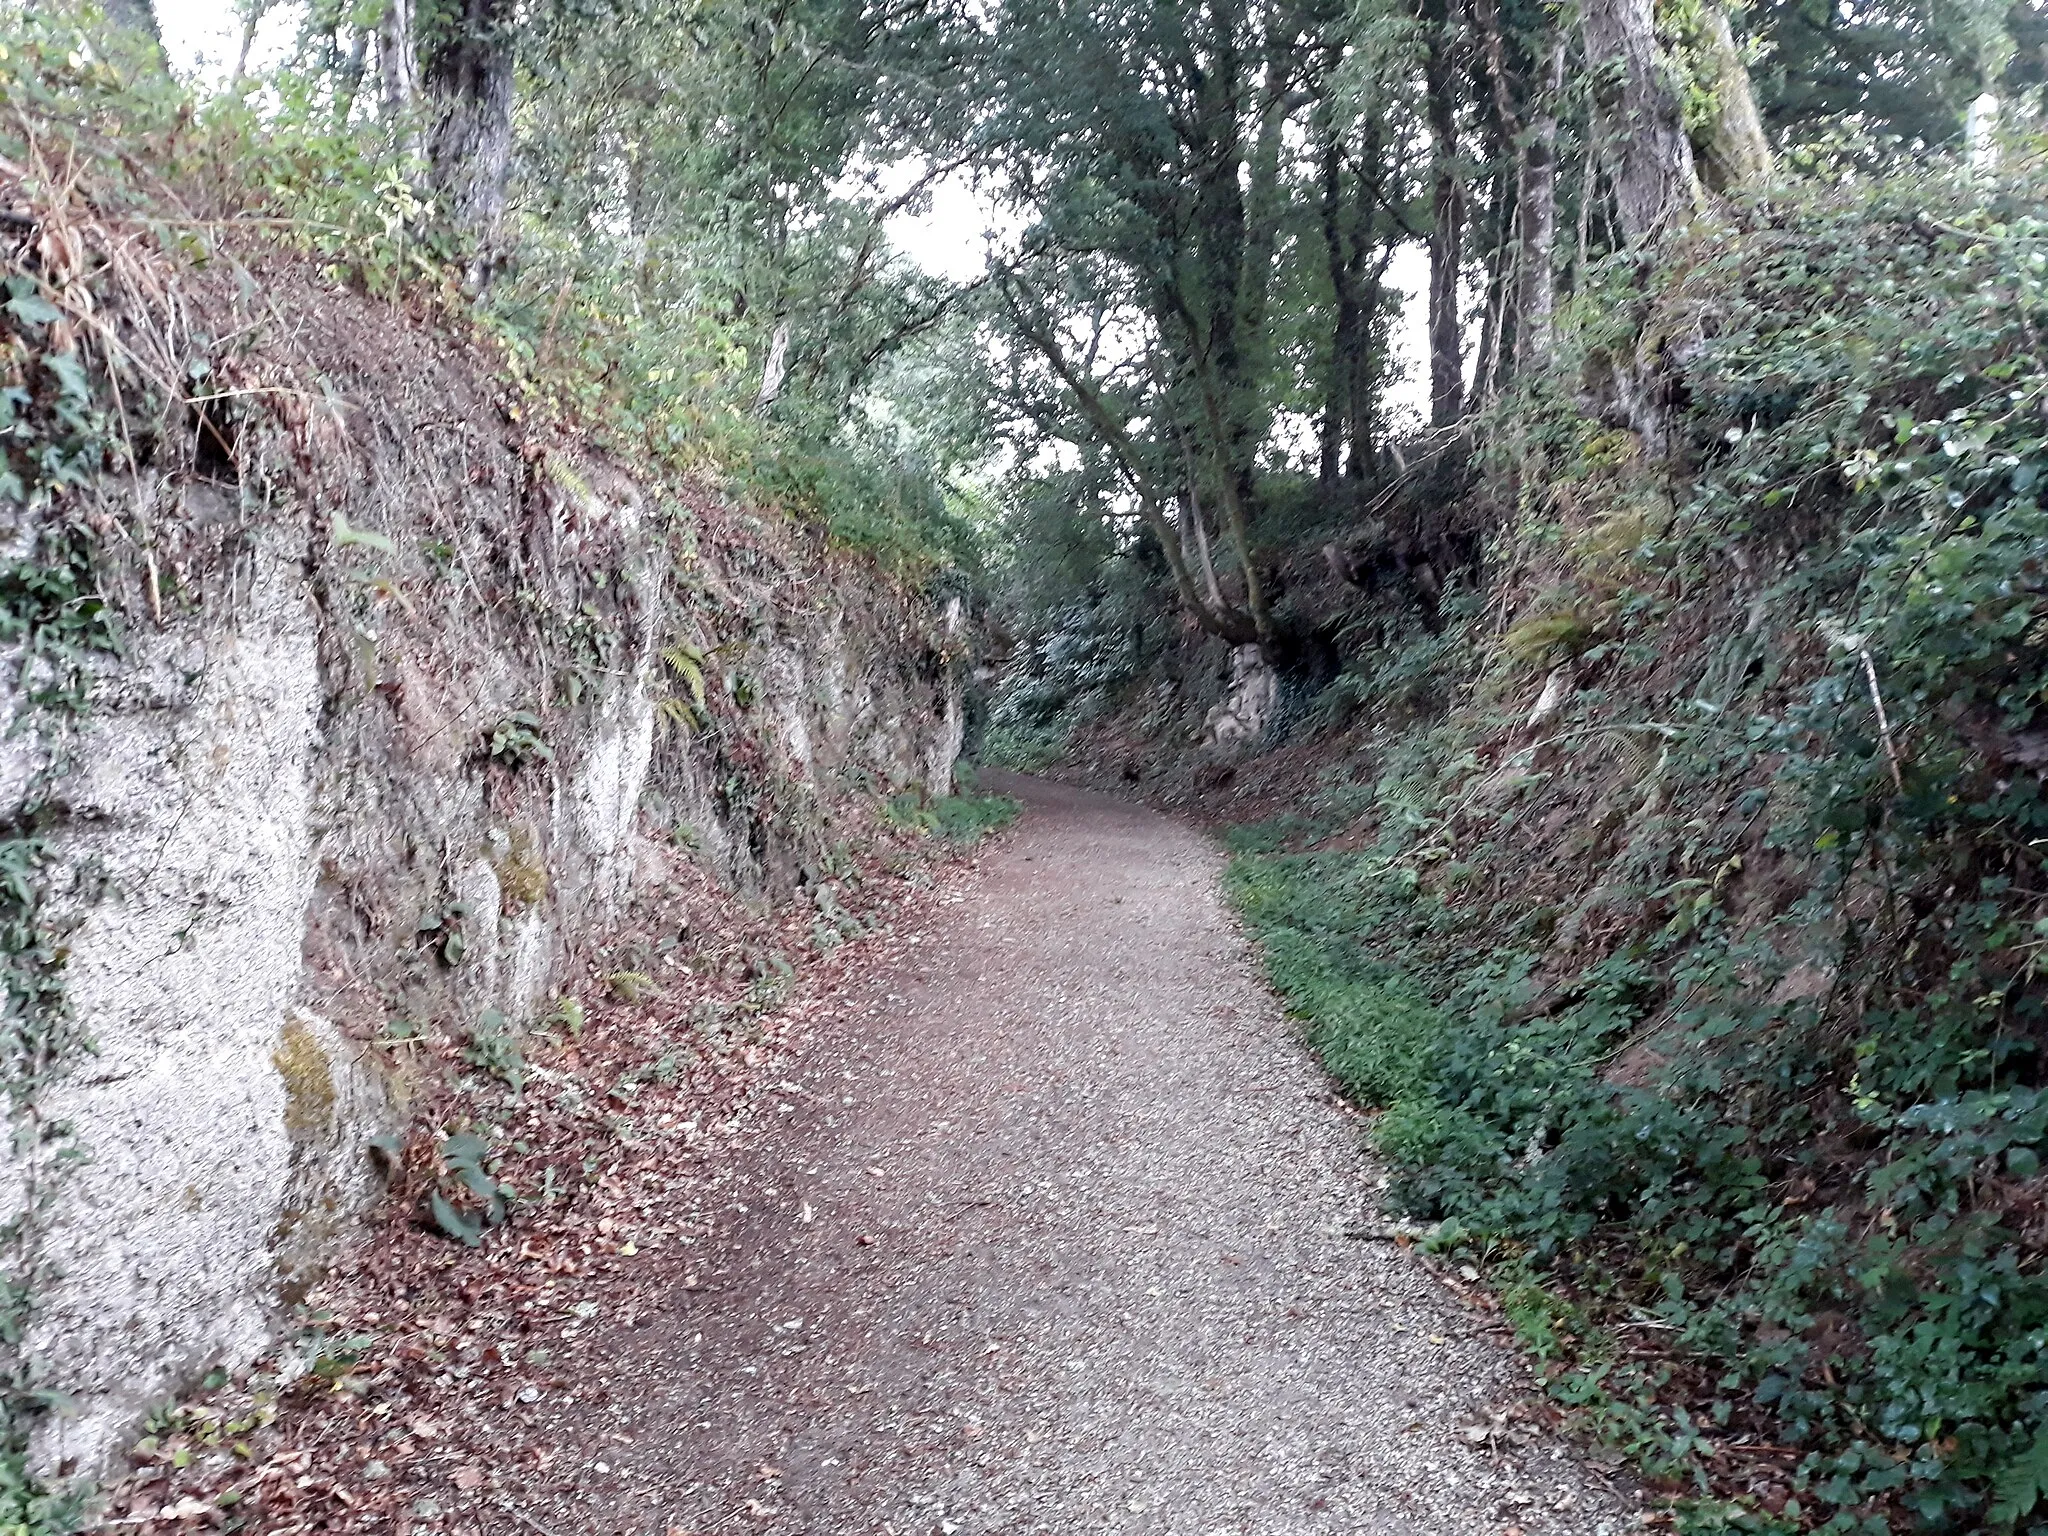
x=1052, y=1237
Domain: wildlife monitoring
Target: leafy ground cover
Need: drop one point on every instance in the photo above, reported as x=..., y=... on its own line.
x=1705, y=1011
x=95, y=127
x=964, y=817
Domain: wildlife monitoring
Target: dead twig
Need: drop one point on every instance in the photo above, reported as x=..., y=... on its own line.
x=1884, y=724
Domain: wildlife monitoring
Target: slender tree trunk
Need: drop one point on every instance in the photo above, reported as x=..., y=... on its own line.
x=1655, y=183
x=1228, y=623
x=1447, y=221
x=1537, y=202
x=1217, y=617
x=398, y=79
x=1363, y=385
x=349, y=84
x=1589, y=190
x=1527, y=109
x=1265, y=204
x=1362, y=388
x=252, y=18
x=1192, y=506
x=1500, y=216
x=775, y=369
x=1736, y=154
x=1980, y=135
x=468, y=83
x=1344, y=327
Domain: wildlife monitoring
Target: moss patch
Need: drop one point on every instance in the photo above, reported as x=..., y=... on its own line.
x=522, y=872
x=308, y=1081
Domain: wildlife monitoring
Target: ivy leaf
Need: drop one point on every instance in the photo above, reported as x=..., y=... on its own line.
x=34, y=309
x=469, y=1230
x=70, y=373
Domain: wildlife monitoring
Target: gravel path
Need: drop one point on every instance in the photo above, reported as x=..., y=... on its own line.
x=1049, y=1234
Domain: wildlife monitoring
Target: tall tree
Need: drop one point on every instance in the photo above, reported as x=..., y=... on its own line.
x=467, y=84
x=398, y=67
x=1655, y=182
x=1733, y=152
x=1447, y=212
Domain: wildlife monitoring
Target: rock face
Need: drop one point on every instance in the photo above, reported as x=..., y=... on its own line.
x=409, y=710
x=1240, y=722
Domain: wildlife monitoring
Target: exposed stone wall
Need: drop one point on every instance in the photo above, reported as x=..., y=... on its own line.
x=284, y=826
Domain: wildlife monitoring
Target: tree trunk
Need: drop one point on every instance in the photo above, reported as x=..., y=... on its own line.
x=1500, y=216
x=1364, y=382
x=1265, y=205
x=1344, y=327
x=138, y=19
x=1736, y=154
x=1362, y=387
x=1655, y=183
x=1589, y=192
x=349, y=83
x=1191, y=505
x=1537, y=208
x=398, y=79
x=1224, y=355
x=468, y=83
x=1226, y=622
x=774, y=370
x=252, y=18
x=1447, y=221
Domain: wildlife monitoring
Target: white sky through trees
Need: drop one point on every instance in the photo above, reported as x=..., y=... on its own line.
x=202, y=38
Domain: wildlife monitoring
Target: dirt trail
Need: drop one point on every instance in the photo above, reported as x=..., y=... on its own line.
x=1048, y=1232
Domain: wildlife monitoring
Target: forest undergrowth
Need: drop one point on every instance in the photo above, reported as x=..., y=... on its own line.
x=1702, y=1004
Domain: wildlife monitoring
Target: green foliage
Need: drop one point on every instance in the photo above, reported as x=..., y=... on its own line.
x=834, y=925
x=1735, y=1031
x=695, y=191
x=27, y=1508
x=283, y=160
x=56, y=627
x=685, y=662
x=1903, y=74
x=445, y=930
x=467, y=1200
x=1074, y=670
x=494, y=1046
x=963, y=818
x=518, y=741
x=647, y=274
x=1372, y=1031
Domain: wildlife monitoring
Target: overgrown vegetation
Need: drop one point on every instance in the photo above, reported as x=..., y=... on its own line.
x=965, y=816
x=651, y=343
x=54, y=628
x=1672, y=873
x=1708, y=1011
